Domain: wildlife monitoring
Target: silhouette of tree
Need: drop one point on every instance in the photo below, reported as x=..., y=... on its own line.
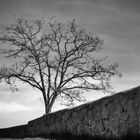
x=55, y=58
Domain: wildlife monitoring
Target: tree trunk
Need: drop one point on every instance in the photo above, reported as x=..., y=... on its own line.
x=48, y=105
x=47, y=110
x=52, y=102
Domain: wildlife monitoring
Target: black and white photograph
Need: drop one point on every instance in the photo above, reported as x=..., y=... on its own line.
x=69, y=69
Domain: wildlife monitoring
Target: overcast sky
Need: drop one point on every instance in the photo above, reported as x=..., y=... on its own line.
x=115, y=21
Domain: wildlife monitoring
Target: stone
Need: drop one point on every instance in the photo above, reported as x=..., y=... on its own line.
x=112, y=116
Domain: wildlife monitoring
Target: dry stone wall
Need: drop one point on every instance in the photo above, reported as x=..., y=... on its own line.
x=115, y=116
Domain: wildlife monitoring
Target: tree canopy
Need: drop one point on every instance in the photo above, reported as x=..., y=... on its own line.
x=55, y=58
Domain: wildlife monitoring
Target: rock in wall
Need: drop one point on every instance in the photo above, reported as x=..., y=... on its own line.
x=112, y=116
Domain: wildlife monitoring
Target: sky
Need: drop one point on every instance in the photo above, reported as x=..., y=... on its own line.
x=115, y=21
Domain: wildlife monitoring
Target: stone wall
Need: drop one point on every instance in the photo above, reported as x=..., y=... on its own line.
x=14, y=132
x=115, y=115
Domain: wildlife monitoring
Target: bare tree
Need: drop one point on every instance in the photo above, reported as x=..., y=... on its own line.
x=55, y=58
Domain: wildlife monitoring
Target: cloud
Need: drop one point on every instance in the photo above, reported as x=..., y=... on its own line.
x=64, y=7
x=128, y=5
x=115, y=21
x=123, y=5
x=13, y=107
